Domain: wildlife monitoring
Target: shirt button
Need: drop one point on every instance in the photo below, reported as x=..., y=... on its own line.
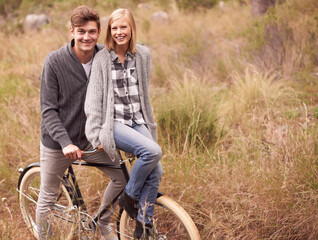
x=84, y=115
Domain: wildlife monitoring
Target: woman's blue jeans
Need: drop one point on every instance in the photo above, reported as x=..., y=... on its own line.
x=145, y=177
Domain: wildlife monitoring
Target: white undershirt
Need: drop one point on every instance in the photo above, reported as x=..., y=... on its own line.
x=87, y=67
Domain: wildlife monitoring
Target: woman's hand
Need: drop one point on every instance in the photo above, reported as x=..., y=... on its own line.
x=100, y=147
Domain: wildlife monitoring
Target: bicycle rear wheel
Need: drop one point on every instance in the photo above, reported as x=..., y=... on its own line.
x=171, y=222
x=62, y=216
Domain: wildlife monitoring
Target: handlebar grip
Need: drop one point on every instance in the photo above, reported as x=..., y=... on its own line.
x=89, y=152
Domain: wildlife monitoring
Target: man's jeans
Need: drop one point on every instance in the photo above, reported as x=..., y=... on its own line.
x=145, y=178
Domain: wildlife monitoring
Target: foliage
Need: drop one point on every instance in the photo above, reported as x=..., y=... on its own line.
x=8, y=6
x=278, y=40
x=194, y=5
x=187, y=115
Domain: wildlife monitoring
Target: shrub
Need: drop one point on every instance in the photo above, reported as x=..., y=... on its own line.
x=7, y=7
x=194, y=5
x=187, y=115
x=279, y=41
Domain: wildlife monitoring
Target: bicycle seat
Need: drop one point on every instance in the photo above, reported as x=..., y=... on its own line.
x=125, y=155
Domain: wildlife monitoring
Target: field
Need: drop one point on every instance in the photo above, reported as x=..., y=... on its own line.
x=236, y=103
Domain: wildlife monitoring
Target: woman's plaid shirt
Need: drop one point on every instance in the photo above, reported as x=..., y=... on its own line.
x=126, y=93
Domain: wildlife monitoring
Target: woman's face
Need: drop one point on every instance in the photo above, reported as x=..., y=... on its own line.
x=121, y=32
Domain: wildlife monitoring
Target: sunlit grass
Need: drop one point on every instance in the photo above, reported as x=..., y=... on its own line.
x=260, y=169
x=239, y=139
x=186, y=116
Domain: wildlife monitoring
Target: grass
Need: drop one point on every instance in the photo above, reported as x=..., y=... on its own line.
x=186, y=116
x=238, y=135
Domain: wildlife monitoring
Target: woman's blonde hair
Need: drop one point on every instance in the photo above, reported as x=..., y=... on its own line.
x=119, y=13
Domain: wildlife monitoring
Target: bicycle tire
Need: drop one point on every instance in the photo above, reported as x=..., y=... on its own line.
x=171, y=221
x=29, y=189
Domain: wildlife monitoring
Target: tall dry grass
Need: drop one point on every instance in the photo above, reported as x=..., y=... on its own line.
x=186, y=116
x=238, y=136
x=261, y=174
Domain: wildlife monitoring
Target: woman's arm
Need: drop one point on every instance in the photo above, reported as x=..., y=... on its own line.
x=94, y=104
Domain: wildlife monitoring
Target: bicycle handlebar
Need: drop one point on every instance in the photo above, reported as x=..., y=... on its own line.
x=89, y=152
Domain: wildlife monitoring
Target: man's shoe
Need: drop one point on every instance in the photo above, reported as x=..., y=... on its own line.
x=107, y=231
x=128, y=204
x=104, y=224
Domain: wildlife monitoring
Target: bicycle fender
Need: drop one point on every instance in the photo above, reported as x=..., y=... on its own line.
x=35, y=164
x=159, y=194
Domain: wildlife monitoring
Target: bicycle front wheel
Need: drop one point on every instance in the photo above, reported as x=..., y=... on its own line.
x=170, y=220
x=61, y=217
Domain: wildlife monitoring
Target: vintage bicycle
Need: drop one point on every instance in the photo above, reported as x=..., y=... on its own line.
x=70, y=219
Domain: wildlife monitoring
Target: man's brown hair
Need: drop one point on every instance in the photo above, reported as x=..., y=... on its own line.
x=82, y=14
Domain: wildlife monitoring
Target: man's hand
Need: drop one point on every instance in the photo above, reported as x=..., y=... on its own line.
x=72, y=152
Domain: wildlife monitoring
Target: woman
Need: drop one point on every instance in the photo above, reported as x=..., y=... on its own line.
x=119, y=115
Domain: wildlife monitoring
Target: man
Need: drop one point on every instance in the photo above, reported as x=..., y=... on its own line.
x=63, y=88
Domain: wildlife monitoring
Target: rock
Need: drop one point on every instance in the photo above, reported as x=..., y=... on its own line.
x=160, y=17
x=143, y=6
x=221, y=5
x=35, y=22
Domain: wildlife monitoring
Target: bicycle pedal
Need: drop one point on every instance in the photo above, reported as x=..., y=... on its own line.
x=71, y=209
x=85, y=238
x=162, y=237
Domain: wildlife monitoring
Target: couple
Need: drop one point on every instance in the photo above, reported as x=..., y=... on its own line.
x=97, y=97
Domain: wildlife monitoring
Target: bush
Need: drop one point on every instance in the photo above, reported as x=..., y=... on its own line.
x=187, y=116
x=193, y=5
x=7, y=7
x=279, y=41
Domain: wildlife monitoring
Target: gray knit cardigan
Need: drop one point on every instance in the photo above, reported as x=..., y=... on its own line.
x=62, y=96
x=99, y=103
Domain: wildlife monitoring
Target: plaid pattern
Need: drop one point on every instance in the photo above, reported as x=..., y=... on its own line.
x=126, y=93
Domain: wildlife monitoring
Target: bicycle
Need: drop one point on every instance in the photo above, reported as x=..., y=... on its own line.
x=69, y=216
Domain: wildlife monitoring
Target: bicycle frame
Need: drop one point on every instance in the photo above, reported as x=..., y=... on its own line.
x=72, y=185
x=169, y=213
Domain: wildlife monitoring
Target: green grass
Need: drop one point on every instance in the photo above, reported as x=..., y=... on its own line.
x=186, y=116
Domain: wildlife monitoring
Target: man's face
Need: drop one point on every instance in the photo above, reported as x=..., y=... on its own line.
x=85, y=37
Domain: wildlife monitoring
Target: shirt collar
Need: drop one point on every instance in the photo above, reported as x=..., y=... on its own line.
x=129, y=56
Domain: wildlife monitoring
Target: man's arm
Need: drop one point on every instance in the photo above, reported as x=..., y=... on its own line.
x=50, y=112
